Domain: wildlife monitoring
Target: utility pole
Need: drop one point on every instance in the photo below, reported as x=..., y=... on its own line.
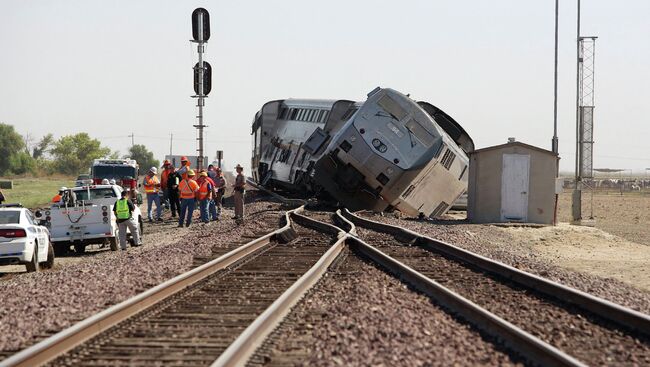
x=554, y=142
x=202, y=72
x=171, y=142
x=132, y=139
x=576, y=197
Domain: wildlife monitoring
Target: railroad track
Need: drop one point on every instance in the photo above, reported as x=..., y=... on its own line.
x=227, y=308
x=589, y=329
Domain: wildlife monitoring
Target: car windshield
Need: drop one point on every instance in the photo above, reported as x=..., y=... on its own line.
x=95, y=194
x=10, y=217
x=114, y=172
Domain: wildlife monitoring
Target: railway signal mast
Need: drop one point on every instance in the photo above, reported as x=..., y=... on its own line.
x=202, y=72
x=585, y=101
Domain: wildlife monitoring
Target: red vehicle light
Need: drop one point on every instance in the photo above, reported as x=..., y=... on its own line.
x=97, y=181
x=12, y=233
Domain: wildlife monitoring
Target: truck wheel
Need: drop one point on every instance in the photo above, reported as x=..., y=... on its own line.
x=80, y=248
x=49, y=264
x=32, y=266
x=60, y=249
x=113, y=242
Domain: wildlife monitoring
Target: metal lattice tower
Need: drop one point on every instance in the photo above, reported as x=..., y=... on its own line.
x=586, y=62
x=585, y=104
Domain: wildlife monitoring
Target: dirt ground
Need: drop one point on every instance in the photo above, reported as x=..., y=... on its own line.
x=587, y=250
x=616, y=247
x=626, y=215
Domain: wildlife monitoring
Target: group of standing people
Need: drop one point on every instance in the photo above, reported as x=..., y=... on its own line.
x=183, y=188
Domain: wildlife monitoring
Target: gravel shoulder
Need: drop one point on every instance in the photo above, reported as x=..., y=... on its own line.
x=518, y=248
x=36, y=305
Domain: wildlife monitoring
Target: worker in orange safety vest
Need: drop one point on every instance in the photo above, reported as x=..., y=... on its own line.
x=163, y=182
x=57, y=198
x=185, y=167
x=151, y=186
x=204, y=195
x=187, y=190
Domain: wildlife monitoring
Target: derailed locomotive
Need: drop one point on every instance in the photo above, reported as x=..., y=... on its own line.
x=389, y=152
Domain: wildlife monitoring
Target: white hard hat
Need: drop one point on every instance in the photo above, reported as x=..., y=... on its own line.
x=154, y=170
x=112, y=181
x=105, y=181
x=63, y=188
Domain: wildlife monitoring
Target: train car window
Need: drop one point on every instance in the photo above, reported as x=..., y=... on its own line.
x=349, y=113
x=326, y=115
x=419, y=132
x=293, y=114
x=393, y=108
x=301, y=114
x=319, y=118
x=283, y=113
x=310, y=113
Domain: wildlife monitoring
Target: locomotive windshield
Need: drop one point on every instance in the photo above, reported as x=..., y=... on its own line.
x=419, y=133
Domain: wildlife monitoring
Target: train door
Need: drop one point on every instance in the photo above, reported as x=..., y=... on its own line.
x=514, y=187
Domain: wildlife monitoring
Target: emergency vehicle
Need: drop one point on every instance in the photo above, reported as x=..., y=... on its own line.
x=123, y=171
x=86, y=218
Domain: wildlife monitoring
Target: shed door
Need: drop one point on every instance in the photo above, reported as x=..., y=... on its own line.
x=514, y=187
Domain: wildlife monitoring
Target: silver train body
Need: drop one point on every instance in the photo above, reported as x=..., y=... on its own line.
x=389, y=152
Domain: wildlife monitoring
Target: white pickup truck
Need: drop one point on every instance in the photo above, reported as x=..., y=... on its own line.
x=88, y=219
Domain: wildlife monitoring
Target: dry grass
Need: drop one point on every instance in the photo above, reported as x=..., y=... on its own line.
x=35, y=192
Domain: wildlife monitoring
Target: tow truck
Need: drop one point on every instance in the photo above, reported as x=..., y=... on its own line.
x=85, y=216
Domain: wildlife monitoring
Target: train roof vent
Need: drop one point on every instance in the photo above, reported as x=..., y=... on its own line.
x=440, y=209
x=448, y=159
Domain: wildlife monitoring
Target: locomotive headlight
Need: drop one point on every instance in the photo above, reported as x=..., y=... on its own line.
x=376, y=143
x=353, y=139
x=389, y=171
x=382, y=148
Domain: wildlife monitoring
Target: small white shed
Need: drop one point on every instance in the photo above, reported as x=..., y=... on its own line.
x=513, y=182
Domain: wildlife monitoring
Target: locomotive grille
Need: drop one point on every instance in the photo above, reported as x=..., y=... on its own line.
x=440, y=209
x=448, y=159
x=408, y=191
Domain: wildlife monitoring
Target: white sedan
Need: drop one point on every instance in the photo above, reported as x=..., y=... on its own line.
x=22, y=240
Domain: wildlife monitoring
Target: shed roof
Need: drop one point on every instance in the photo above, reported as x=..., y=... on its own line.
x=517, y=143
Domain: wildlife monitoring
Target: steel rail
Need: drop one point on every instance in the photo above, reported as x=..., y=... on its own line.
x=243, y=348
x=282, y=199
x=515, y=338
x=616, y=313
x=69, y=338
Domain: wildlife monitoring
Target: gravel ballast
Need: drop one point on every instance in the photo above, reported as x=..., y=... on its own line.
x=37, y=305
x=359, y=315
x=588, y=338
x=495, y=244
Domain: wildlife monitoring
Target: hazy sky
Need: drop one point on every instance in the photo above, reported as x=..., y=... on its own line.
x=111, y=68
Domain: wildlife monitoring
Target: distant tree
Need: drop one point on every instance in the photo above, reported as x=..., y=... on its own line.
x=43, y=146
x=114, y=155
x=11, y=144
x=75, y=153
x=22, y=162
x=143, y=156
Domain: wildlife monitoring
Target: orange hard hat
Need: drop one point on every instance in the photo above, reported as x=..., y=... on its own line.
x=166, y=163
x=183, y=159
